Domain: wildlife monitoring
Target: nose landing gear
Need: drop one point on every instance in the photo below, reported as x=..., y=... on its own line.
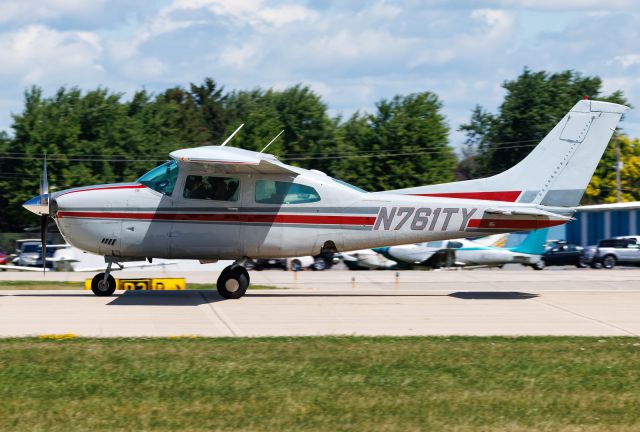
x=233, y=281
x=103, y=284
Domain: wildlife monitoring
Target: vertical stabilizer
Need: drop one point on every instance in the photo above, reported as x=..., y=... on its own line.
x=556, y=172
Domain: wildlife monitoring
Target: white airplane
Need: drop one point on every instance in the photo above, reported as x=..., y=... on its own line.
x=216, y=202
x=470, y=253
x=366, y=259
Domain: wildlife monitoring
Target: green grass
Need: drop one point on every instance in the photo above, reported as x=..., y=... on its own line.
x=321, y=384
x=46, y=285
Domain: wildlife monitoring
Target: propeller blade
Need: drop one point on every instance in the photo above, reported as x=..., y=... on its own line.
x=44, y=226
x=44, y=185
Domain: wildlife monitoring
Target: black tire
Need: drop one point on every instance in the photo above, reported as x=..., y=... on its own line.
x=233, y=282
x=595, y=265
x=250, y=265
x=609, y=262
x=99, y=287
x=296, y=265
x=581, y=265
x=540, y=265
x=319, y=264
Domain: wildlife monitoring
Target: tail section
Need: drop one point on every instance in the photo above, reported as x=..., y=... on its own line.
x=556, y=172
x=533, y=243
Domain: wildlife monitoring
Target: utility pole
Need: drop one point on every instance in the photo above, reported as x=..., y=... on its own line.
x=618, y=170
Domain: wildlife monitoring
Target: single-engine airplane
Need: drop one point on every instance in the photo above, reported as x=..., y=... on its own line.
x=219, y=202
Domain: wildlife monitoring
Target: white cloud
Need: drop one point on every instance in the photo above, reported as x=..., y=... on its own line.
x=37, y=54
x=248, y=12
x=32, y=11
x=491, y=37
x=627, y=60
x=565, y=4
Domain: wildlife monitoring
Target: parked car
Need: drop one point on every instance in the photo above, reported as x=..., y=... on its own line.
x=563, y=253
x=28, y=253
x=266, y=263
x=611, y=252
x=318, y=262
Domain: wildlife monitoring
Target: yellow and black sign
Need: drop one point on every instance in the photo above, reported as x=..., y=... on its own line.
x=162, y=284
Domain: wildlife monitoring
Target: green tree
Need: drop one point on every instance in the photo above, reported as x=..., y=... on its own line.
x=354, y=154
x=408, y=142
x=602, y=188
x=308, y=129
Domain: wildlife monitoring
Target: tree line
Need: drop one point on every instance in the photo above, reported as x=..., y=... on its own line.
x=98, y=136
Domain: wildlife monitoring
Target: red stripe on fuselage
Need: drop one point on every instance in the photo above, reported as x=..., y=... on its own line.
x=510, y=196
x=227, y=217
x=137, y=186
x=519, y=224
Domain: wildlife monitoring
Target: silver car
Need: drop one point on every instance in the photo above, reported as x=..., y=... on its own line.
x=624, y=251
x=29, y=253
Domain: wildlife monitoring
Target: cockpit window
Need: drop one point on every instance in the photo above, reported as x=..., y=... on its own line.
x=454, y=245
x=162, y=178
x=211, y=188
x=275, y=192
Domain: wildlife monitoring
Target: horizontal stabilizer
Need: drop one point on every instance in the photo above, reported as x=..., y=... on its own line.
x=508, y=211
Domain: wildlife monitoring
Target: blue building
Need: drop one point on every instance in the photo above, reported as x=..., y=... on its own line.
x=593, y=225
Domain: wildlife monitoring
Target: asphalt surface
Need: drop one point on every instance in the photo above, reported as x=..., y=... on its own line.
x=498, y=302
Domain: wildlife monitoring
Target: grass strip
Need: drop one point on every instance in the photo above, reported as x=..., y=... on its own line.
x=321, y=384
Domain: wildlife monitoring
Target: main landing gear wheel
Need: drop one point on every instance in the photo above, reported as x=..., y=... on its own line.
x=102, y=287
x=233, y=282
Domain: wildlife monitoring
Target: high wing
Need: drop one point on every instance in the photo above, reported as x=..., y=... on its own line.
x=235, y=159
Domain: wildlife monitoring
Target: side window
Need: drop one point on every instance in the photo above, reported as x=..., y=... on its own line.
x=276, y=192
x=211, y=188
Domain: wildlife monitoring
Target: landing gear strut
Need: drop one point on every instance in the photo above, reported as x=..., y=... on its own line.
x=103, y=284
x=233, y=281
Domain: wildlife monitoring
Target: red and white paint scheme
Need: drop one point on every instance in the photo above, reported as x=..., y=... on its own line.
x=219, y=202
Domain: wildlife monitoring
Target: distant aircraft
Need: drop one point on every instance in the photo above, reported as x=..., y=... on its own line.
x=469, y=253
x=64, y=257
x=217, y=202
x=367, y=259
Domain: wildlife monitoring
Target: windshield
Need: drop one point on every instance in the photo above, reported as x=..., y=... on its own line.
x=162, y=178
x=350, y=186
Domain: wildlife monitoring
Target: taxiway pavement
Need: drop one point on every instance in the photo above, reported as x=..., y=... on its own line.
x=570, y=302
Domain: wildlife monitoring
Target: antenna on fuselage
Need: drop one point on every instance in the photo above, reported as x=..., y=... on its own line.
x=271, y=142
x=231, y=136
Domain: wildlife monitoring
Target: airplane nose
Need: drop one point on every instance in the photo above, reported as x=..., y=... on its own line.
x=34, y=205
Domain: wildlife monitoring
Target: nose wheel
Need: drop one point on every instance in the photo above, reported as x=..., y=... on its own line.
x=233, y=282
x=103, y=284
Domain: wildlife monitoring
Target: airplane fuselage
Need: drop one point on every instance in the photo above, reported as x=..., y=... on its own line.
x=135, y=221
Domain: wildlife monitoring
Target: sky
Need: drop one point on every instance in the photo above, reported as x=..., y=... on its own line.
x=353, y=53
